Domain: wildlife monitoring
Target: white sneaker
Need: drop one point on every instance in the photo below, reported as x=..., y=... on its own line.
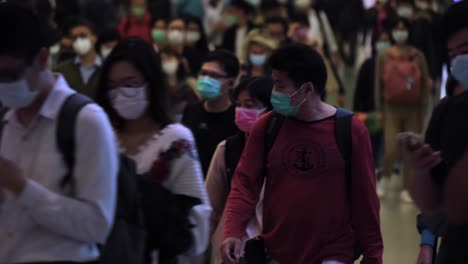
x=382, y=187
x=405, y=197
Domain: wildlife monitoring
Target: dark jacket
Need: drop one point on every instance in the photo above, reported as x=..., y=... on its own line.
x=364, y=100
x=229, y=37
x=71, y=72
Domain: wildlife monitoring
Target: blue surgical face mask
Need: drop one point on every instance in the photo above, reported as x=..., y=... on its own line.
x=460, y=70
x=258, y=59
x=209, y=88
x=382, y=45
x=282, y=103
x=17, y=94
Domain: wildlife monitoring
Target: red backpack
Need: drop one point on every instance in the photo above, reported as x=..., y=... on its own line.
x=402, y=78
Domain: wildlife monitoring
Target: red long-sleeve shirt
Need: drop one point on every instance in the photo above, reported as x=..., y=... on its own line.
x=306, y=212
x=131, y=27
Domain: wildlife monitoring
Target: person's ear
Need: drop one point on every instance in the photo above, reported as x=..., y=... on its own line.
x=42, y=59
x=309, y=87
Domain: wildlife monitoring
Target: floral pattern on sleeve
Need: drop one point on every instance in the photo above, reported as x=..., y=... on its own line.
x=161, y=169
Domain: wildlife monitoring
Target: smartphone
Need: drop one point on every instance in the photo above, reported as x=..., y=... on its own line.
x=414, y=141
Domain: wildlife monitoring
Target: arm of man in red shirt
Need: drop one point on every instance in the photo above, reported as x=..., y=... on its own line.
x=365, y=203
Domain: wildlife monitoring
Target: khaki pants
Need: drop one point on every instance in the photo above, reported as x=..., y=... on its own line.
x=398, y=119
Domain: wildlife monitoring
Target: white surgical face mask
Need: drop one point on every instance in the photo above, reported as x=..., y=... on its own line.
x=405, y=12
x=105, y=52
x=192, y=37
x=460, y=69
x=17, y=94
x=176, y=37
x=400, y=36
x=130, y=103
x=170, y=67
x=82, y=46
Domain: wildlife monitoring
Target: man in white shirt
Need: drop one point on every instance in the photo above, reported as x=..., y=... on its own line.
x=39, y=220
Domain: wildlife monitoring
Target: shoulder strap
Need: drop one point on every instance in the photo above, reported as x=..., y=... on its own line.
x=66, y=131
x=233, y=151
x=273, y=127
x=343, y=136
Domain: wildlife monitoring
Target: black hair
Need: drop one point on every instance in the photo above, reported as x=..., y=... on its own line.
x=450, y=86
x=301, y=19
x=302, y=64
x=43, y=9
x=182, y=73
x=202, y=44
x=82, y=22
x=154, y=19
x=25, y=34
x=408, y=25
x=243, y=5
x=143, y=56
x=259, y=88
x=108, y=35
x=278, y=20
x=411, y=2
x=227, y=60
x=454, y=19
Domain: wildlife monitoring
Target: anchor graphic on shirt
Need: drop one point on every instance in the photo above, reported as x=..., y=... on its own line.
x=302, y=162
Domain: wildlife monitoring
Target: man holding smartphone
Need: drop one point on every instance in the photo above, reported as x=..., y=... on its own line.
x=439, y=185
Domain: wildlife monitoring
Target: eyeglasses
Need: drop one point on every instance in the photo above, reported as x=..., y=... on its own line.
x=212, y=74
x=128, y=92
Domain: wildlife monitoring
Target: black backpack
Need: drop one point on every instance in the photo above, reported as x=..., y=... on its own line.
x=127, y=240
x=343, y=136
x=235, y=144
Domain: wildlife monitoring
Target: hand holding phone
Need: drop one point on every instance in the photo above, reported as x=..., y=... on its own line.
x=410, y=140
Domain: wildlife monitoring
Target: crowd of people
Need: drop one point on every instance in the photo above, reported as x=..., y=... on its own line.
x=150, y=131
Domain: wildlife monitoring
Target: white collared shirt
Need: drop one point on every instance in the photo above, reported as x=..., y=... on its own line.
x=42, y=224
x=87, y=72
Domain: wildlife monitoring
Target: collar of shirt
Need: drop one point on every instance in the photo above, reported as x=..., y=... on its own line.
x=97, y=62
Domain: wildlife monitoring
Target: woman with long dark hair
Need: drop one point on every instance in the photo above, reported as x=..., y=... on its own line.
x=132, y=91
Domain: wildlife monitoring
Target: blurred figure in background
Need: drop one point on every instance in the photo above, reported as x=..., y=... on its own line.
x=319, y=28
x=427, y=37
x=364, y=97
x=176, y=37
x=212, y=120
x=159, y=33
x=107, y=41
x=252, y=97
x=379, y=15
x=258, y=47
x=278, y=29
x=238, y=17
x=402, y=92
x=195, y=37
x=138, y=21
x=181, y=85
x=83, y=72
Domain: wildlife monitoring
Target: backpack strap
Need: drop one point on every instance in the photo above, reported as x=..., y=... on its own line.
x=232, y=154
x=66, y=128
x=273, y=127
x=343, y=136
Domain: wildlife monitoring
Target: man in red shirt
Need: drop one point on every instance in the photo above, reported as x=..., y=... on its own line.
x=307, y=215
x=137, y=23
